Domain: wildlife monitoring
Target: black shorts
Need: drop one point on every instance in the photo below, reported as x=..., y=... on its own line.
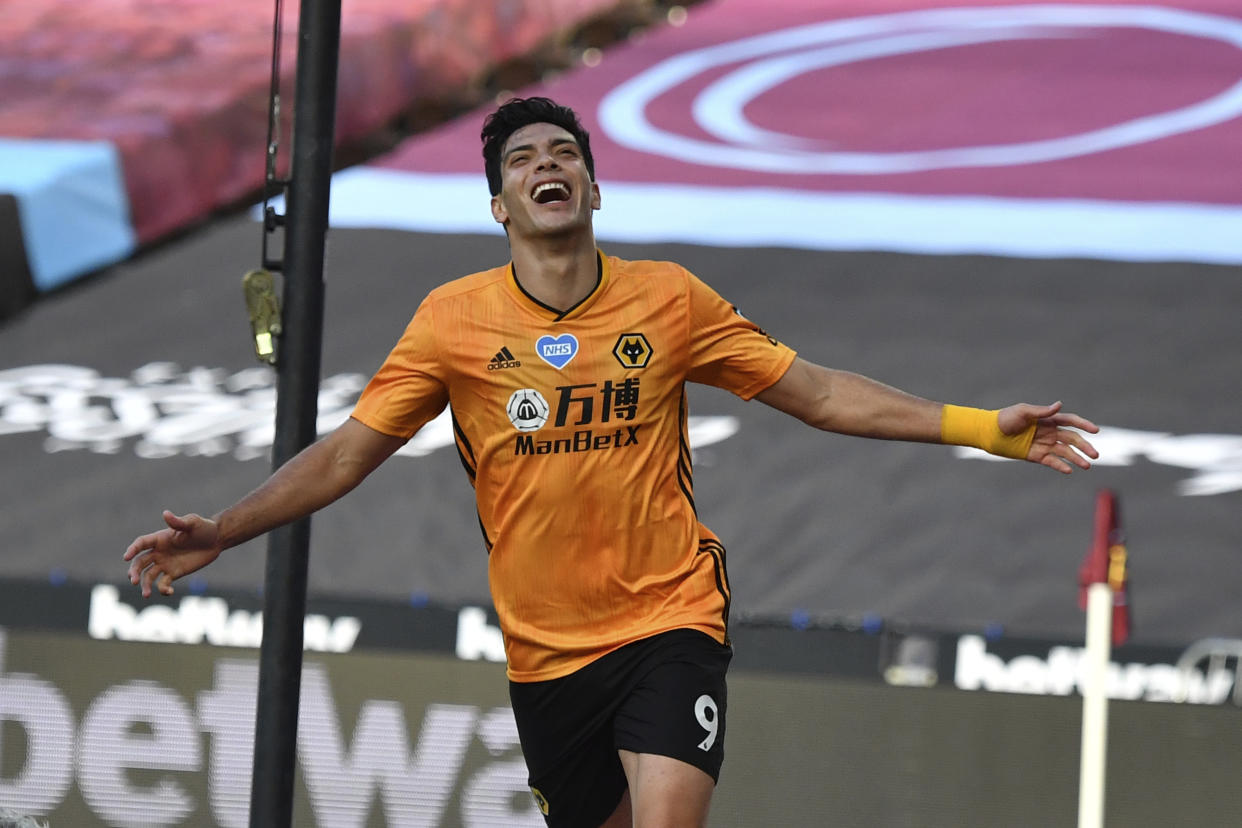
x=664, y=695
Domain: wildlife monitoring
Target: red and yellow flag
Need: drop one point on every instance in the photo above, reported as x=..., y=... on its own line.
x=1107, y=563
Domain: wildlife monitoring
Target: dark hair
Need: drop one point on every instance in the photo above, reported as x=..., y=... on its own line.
x=516, y=113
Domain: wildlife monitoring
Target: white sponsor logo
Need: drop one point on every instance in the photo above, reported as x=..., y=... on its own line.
x=1064, y=672
x=144, y=726
x=1215, y=458
x=167, y=411
x=476, y=638
x=527, y=409
x=200, y=619
x=760, y=63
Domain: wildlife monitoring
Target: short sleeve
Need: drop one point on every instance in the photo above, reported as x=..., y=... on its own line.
x=729, y=351
x=409, y=389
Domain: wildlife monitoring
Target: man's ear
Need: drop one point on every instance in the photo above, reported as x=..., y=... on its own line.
x=499, y=213
x=595, y=202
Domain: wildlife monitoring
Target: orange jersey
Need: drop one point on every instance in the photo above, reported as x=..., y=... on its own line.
x=572, y=428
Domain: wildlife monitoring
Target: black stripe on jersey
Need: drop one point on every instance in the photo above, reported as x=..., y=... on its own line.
x=561, y=314
x=685, y=471
x=464, y=449
x=486, y=540
x=717, y=551
x=685, y=459
x=527, y=294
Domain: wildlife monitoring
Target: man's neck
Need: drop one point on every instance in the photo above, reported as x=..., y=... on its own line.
x=558, y=273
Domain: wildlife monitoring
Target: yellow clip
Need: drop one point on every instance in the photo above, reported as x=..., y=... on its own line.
x=1117, y=567
x=264, y=309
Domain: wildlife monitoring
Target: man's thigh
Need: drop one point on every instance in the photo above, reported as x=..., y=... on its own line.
x=663, y=696
x=677, y=707
x=665, y=792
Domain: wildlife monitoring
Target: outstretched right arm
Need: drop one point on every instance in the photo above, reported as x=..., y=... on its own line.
x=321, y=473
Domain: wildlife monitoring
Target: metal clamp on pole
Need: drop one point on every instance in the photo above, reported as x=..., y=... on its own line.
x=263, y=305
x=259, y=286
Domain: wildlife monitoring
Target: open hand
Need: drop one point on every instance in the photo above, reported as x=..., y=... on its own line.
x=1057, y=444
x=188, y=544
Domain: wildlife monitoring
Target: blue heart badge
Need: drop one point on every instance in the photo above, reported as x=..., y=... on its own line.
x=557, y=351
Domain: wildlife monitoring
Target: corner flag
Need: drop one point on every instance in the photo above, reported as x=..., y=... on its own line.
x=1107, y=563
x=1103, y=584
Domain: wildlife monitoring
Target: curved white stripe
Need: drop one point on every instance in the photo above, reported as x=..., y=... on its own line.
x=622, y=112
x=719, y=107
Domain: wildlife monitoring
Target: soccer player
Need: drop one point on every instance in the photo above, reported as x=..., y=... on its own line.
x=565, y=371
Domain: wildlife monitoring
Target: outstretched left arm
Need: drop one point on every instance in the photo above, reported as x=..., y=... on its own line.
x=849, y=403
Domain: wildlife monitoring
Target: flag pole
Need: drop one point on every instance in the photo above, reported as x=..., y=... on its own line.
x=298, y=367
x=1091, y=772
x=1103, y=584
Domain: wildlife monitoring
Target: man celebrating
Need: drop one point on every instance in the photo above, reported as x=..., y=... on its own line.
x=565, y=371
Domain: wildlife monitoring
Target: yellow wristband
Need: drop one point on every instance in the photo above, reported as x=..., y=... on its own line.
x=961, y=426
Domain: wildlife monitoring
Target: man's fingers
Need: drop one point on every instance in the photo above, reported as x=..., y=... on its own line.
x=135, y=570
x=140, y=544
x=1016, y=418
x=139, y=565
x=151, y=541
x=144, y=543
x=144, y=580
x=157, y=541
x=1057, y=465
x=1074, y=457
x=155, y=560
x=1073, y=446
x=1050, y=410
x=156, y=578
x=179, y=523
x=1061, y=455
x=1073, y=438
x=1074, y=421
x=1032, y=413
x=1055, y=461
x=1063, y=446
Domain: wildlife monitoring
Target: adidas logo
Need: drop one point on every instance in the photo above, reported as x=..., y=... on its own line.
x=503, y=359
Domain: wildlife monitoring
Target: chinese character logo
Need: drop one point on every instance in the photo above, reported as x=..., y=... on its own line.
x=632, y=350
x=527, y=410
x=617, y=400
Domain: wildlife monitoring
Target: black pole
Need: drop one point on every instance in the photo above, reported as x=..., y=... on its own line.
x=280, y=660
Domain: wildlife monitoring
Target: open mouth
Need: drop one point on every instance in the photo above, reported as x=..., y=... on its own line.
x=550, y=191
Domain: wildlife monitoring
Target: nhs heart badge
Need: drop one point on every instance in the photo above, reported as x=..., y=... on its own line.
x=557, y=351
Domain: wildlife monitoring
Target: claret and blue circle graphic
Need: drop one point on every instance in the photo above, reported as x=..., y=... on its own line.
x=1049, y=130
x=741, y=71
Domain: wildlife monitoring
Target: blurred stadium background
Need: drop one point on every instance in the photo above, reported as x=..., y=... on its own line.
x=978, y=202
